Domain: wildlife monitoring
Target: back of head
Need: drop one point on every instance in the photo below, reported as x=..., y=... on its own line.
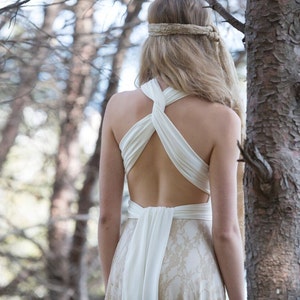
x=179, y=11
x=197, y=64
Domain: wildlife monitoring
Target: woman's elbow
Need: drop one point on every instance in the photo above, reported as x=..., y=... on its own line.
x=226, y=235
x=108, y=219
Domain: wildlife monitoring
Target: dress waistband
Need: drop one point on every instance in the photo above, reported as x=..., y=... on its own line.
x=201, y=211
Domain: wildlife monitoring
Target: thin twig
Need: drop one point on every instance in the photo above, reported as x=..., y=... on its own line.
x=12, y=6
x=215, y=5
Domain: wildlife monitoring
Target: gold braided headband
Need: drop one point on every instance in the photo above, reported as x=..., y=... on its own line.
x=159, y=29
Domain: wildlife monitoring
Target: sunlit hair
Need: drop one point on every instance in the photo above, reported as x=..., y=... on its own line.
x=194, y=64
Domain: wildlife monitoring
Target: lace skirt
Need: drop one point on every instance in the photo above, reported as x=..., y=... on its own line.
x=188, y=270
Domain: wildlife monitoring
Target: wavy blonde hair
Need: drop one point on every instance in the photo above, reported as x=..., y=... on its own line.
x=194, y=64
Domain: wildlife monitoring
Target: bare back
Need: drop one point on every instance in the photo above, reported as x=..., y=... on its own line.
x=154, y=180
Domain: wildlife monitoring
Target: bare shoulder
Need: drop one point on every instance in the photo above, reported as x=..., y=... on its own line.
x=123, y=110
x=225, y=122
x=224, y=114
x=123, y=99
x=121, y=103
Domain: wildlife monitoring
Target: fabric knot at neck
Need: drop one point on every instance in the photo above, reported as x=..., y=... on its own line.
x=159, y=105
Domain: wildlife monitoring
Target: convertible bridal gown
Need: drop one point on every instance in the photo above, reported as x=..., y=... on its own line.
x=165, y=253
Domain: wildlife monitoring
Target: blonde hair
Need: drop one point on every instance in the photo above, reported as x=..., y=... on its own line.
x=195, y=64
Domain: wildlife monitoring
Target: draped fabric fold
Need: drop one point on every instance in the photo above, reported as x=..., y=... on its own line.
x=148, y=244
x=145, y=254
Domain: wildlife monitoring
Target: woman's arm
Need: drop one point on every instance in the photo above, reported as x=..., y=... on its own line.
x=111, y=182
x=227, y=240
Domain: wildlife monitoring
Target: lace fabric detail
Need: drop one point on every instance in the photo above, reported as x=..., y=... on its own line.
x=179, y=263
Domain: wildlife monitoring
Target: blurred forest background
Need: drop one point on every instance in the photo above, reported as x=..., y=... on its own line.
x=60, y=63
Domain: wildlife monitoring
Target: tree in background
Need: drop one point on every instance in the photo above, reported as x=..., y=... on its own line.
x=272, y=175
x=28, y=71
x=271, y=150
x=85, y=202
x=78, y=91
x=52, y=77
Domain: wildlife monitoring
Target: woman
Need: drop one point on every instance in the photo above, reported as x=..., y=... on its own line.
x=175, y=139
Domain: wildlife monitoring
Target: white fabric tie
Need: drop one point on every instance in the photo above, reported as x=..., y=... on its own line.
x=148, y=245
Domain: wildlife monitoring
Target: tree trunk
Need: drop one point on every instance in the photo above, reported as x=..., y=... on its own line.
x=77, y=94
x=28, y=76
x=77, y=281
x=272, y=179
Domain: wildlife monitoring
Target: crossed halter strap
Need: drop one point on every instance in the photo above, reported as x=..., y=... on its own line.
x=186, y=160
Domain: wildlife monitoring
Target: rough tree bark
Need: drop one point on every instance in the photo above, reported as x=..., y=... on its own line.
x=272, y=178
x=29, y=71
x=77, y=281
x=77, y=94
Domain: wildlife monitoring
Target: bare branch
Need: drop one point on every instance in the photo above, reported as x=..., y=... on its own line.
x=20, y=233
x=16, y=5
x=215, y=5
x=12, y=286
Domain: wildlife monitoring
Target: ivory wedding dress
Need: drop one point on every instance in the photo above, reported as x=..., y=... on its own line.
x=165, y=253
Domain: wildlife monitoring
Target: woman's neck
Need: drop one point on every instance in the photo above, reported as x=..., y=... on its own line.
x=161, y=83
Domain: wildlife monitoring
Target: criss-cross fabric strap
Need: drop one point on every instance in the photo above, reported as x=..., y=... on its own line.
x=185, y=159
